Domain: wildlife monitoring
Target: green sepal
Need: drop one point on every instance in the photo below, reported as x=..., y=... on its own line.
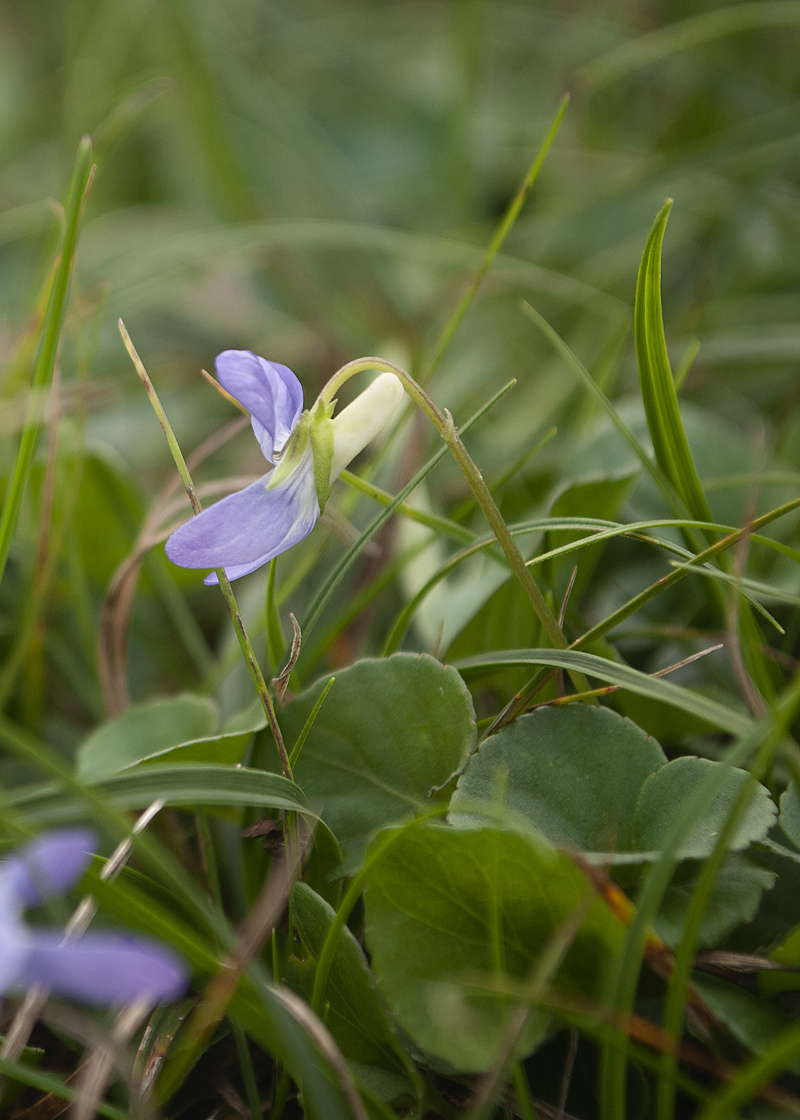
x=292, y=454
x=314, y=427
x=320, y=431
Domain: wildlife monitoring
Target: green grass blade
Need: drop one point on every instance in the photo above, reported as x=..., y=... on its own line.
x=342, y=568
x=255, y=1005
x=684, y=957
x=276, y=638
x=50, y=1083
x=312, y=718
x=634, y=604
x=623, y=983
x=184, y=784
x=600, y=531
x=653, y=469
x=442, y=525
x=656, y=688
x=503, y=230
x=655, y=376
x=752, y=1077
x=48, y=344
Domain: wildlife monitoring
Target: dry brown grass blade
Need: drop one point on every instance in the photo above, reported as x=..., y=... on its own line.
x=49, y=1107
x=606, y=690
x=735, y=966
x=281, y=682
x=583, y=1011
x=262, y=919
x=657, y=955
x=24, y=1021
x=98, y=1069
x=326, y=1043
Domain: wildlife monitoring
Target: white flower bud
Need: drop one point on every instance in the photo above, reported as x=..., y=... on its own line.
x=355, y=426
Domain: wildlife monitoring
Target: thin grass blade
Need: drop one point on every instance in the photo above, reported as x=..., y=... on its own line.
x=48, y=344
x=655, y=376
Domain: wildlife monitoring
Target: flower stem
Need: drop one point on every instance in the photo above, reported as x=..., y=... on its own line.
x=443, y=422
x=224, y=582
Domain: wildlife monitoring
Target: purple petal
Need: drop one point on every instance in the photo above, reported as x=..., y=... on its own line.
x=269, y=391
x=13, y=936
x=49, y=865
x=102, y=968
x=247, y=529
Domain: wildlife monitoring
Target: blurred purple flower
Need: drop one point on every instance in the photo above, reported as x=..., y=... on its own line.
x=98, y=968
x=307, y=451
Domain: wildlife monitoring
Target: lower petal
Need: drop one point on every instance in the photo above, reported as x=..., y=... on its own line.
x=14, y=941
x=245, y=530
x=101, y=968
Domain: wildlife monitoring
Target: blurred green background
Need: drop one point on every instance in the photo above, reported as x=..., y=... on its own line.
x=319, y=180
x=256, y=158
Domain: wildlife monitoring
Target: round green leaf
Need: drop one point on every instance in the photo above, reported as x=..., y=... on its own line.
x=143, y=730
x=388, y=731
x=671, y=786
x=453, y=915
x=734, y=900
x=574, y=773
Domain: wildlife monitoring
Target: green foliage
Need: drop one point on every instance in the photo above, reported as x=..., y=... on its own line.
x=575, y=774
x=672, y=785
x=734, y=901
x=388, y=732
x=142, y=731
x=452, y=913
x=355, y=1015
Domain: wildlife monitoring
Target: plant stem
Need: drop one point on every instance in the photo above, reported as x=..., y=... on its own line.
x=224, y=583
x=443, y=422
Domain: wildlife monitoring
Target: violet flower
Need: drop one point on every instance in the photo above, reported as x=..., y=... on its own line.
x=307, y=451
x=97, y=968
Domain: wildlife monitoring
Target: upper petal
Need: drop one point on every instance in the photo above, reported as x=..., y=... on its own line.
x=269, y=391
x=50, y=864
x=245, y=530
x=101, y=968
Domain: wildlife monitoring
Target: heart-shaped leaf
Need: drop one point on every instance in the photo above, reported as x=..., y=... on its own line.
x=143, y=730
x=388, y=731
x=588, y=778
x=453, y=915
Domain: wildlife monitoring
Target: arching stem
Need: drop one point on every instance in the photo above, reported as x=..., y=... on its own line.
x=443, y=422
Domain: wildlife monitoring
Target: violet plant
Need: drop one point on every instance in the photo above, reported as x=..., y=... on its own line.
x=99, y=969
x=307, y=451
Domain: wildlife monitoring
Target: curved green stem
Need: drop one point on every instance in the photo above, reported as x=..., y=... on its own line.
x=444, y=424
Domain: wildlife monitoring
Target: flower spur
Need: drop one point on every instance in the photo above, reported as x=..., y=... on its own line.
x=307, y=451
